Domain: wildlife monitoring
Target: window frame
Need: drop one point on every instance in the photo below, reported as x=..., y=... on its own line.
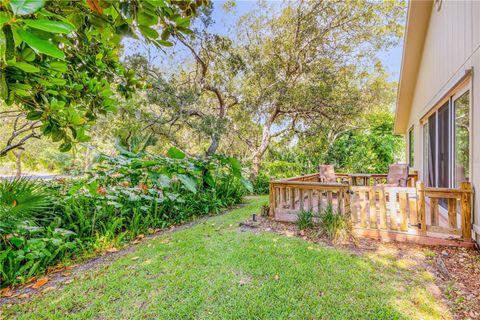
x=411, y=147
x=464, y=85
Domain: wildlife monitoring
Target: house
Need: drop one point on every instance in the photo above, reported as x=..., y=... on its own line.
x=438, y=102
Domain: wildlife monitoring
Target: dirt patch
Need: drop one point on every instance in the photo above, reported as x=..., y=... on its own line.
x=456, y=270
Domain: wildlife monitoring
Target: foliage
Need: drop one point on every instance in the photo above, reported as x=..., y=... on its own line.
x=335, y=225
x=371, y=149
x=124, y=196
x=275, y=170
x=59, y=61
x=20, y=201
x=305, y=220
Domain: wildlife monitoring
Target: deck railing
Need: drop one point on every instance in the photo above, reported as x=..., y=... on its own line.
x=415, y=209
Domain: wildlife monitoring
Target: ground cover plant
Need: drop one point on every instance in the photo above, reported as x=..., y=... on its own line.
x=218, y=270
x=123, y=197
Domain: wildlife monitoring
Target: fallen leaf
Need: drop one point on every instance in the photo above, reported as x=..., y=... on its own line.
x=165, y=241
x=6, y=292
x=49, y=289
x=72, y=266
x=24, y=296
x=40, y=282
x=276, y=277
x=68, y=281
x=140, y=236
x=112, y=249
x=66, y=274
x=135, y=258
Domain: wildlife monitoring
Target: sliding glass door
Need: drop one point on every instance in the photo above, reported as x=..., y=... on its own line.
x=444, y=140
x=446, y=143
x=462, y=138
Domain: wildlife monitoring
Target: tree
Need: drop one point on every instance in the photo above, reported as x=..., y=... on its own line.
x=59, y=60
x=310, y=65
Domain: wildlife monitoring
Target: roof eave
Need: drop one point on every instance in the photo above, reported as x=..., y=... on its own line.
x=418, y=18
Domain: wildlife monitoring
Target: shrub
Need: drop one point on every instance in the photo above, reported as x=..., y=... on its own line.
x=124, y=196
x=335, y=225
x=305, y=220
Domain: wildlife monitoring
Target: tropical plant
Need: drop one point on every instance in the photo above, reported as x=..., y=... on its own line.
x=20, y=201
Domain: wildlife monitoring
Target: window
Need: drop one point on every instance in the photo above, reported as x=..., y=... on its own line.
x=446, y=142
x=426, y=158
x=462, y=138
x=411, y=146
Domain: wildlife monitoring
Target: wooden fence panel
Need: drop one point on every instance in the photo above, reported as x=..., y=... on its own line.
x=400, y=209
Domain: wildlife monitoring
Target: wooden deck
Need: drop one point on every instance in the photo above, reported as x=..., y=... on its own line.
x=402, y=213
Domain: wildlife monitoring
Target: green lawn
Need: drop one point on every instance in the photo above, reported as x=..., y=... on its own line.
x=214, y=271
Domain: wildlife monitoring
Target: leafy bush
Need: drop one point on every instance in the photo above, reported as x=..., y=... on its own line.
x=305, y=220
x=123, y=197
x=275, y=170
x=335, y=225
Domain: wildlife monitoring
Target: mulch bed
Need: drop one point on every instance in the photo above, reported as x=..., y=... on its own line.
x=456, y=269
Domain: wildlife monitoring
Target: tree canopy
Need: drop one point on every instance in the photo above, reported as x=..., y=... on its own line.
x=59, y=60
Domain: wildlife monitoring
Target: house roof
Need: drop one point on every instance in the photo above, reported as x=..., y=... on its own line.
x=418, y=17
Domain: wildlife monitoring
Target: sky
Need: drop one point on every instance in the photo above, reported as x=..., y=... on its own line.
x=224, y=22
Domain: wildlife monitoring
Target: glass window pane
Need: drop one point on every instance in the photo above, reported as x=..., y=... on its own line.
x=410, y=148
x=425, y=152
x=462, y=138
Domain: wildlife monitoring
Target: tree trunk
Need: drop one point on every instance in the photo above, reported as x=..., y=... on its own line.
x=212, y=149
x=259, y=152
x=18, y=163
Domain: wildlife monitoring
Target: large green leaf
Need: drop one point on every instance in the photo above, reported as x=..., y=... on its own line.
x=4, y=17
x=23, y=7
x=175, y=153
x=148, y=32
x=50, y=26
x=247, y=184
x=27, y=67
x=188, y=182
x=235, y=165
x=41, y=45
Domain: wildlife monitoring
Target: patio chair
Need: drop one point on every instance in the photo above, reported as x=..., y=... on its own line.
x=326, y=173
x=397, y=175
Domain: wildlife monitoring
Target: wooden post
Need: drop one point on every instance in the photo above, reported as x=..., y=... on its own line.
x=346, y=206
x=452, y=213
x=383, y=208
x=302, y=199
x=421, y=208
x=363, y=209
x=392, y=197
x=271, y=193
x=403, y=211
x=413, y=208
x=292, y=198
x=310, y=200
x=372, y=194
x=466, y=210
x=434, y=211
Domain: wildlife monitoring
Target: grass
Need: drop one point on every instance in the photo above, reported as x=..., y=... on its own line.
x=215, y=271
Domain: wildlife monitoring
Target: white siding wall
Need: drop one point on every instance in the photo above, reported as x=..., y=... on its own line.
x=451, y=47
